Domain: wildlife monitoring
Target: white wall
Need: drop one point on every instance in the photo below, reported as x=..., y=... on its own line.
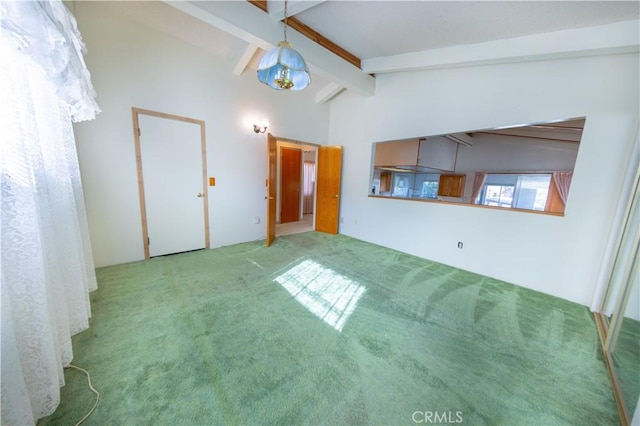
x=132, y=65
x=555, y=255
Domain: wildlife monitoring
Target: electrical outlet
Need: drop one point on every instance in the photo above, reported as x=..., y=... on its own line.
x=342, y=220
x=460, y=244
x=256, y=220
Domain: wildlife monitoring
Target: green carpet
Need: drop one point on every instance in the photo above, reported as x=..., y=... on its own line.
x=322, y=329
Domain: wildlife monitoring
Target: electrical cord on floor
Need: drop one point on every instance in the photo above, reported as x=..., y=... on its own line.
x=92, y=390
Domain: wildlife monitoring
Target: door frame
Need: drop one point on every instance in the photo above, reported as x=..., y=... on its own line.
x=135, y=113
x=294, y=144
x=271, y=186
x=272, y=161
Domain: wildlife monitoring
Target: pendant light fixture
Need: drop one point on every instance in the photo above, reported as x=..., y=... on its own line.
x=282, y=68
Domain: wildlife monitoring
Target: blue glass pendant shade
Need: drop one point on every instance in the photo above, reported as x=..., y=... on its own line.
x=282, y=68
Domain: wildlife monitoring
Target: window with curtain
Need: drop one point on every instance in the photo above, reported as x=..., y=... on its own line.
x=522, y=191
x=558, y=191
x=46, y=263
x=309, y=184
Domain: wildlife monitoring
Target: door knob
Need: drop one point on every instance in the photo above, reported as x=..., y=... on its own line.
x=200, y=195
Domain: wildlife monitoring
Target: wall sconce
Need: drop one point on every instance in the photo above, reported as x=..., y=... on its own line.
x=261, y=128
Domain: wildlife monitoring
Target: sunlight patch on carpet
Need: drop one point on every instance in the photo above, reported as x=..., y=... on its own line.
x=325, y=293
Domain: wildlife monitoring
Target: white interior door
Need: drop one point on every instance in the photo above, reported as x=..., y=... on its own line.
x=174, y=190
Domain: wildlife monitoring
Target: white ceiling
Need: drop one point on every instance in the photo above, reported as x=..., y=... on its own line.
x=370, y=29
x=396, y=36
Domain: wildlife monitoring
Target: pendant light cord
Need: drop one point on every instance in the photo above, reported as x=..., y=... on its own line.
x=285, y=20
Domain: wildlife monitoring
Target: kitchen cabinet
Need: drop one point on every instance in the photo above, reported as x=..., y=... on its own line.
x=385, y=182
x=451, y=185
x=398, y=153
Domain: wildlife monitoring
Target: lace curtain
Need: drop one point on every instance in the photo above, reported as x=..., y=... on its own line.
x=46, y=266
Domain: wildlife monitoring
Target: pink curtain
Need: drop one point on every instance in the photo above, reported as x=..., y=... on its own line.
x=478, y=183
x=562, y=181
x=309, y=184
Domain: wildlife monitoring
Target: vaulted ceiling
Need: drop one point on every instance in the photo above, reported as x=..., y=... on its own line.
x=394, y=36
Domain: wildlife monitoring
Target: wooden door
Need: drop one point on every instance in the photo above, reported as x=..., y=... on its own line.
x=171, y=160
x=272, y=169
x=290, y=184
x=328, y=189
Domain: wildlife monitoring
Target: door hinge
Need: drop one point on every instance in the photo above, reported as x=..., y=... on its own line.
x=148, y=241
x=138, y=131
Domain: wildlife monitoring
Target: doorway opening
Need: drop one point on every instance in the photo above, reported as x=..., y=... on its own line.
x=296, y=187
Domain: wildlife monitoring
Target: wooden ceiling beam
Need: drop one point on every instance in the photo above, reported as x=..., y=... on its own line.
x=313, y=35
x=260, y=4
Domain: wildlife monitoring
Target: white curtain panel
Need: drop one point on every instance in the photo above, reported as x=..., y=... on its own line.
x=46, y=263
